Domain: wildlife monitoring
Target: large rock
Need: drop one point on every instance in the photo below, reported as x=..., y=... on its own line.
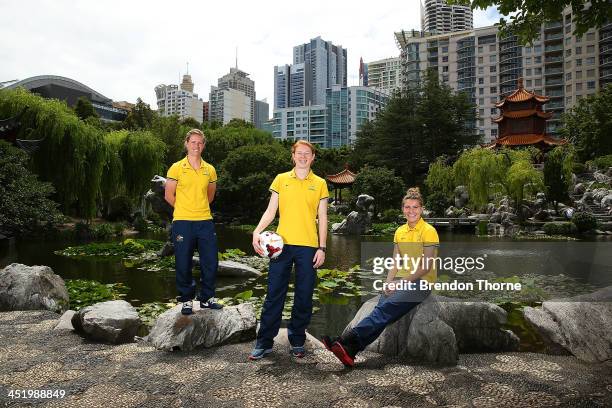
x=65, y=322
x=233, y=268
x=115, y=322
x=25, y=287
x=311, y=343
x=581, y=325
x=204, y=328
x=461, y=196
x=439, y=328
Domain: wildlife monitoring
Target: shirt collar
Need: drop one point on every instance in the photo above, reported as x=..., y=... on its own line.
x=185, y=163
x=308, y=177
x=418, y=225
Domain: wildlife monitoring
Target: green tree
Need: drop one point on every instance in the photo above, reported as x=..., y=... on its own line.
x=558, y=174
x=527, y=17
x=142, y=156
x=486, y=173
x=440, y=187
x=84, y=109
x=414, y=128
x=382, y=184
x=24, y=200
x=221, y=141
x=191, y=123
x=588, y=125
x=141, y=116
x=245, y=177
x=330, y=161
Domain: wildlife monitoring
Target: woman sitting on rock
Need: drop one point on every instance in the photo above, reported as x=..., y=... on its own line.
x=416, y=241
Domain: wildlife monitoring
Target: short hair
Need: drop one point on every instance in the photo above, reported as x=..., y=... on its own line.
x=195, y=132
x=304, y=143
x=413, y=193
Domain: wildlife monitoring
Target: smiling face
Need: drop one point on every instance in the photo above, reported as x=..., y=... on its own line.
x=412, y=210
x=195, y=145
x=303, y=156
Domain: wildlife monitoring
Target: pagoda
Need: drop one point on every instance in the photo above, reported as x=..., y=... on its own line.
x=523, y=121
x=340, y=180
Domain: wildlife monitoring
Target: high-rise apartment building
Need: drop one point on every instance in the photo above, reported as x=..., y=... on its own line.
x=228, y=104
x=487, y=67
x=437, y=16
x=333, y=124
x=384, y=75
x=174, y=101
x=262, y=113
x=240, y=81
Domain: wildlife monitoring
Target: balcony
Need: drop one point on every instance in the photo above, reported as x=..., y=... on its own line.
x=554, y=71
x=554, y=105
x=553, y=48
x=555, y=82
x=553, y=25
x=555, y=36
x=554, y=94
x=605, y=61
x=550, y=60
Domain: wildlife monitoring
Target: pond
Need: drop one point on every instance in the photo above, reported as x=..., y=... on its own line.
x=588, y=263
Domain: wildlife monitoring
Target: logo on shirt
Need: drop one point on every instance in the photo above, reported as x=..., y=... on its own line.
x=311, y=188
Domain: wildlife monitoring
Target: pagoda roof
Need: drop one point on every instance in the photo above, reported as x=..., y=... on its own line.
x=522, y=95
x=344, y=177
x=526, y=139
x=523, y=114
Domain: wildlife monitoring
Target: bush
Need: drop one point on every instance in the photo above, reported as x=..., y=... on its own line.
x=382, y=184
x=24, y=200
x=119, y=208
x=584, y=221
x=560, y=228
x=602, y=162
x=102, y=231
x=390, y=215
x=579, y=168
x=437, y=202
x=140, y=224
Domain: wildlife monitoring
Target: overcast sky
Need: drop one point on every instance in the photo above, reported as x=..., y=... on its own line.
x=123, y=49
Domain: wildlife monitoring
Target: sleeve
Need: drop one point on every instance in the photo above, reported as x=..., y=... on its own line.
x=173, y=172
x=324, y=191
x=275, y=186
x=213, y=174
x=430, y=237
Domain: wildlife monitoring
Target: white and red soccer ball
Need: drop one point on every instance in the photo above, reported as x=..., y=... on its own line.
x=271, y=243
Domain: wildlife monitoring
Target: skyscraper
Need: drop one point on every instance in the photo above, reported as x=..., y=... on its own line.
x=439, y=17
x=240, y=81
x=174, y=101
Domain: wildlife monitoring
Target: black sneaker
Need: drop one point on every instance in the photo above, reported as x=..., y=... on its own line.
x=211, y=304
x=329, y=341
x=187, y=308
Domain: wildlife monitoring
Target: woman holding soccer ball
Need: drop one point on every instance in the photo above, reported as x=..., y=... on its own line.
x=301, y=198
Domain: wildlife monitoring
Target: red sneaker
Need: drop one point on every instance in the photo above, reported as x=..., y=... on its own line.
x=344, y=356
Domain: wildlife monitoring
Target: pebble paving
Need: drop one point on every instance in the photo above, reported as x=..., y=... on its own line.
x=34, y=357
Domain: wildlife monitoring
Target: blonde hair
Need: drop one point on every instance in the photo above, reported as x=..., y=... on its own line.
x=303, y=143
x=413, y=193
x=195, y=132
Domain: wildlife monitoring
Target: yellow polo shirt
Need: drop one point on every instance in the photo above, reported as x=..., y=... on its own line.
x=411, y=242
x=298, y=204
x=192, y=190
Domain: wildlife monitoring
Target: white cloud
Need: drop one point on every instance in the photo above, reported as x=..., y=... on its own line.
x=123, y=49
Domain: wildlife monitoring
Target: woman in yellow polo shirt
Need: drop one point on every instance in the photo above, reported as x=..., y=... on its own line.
x=301, y=198
x=416, y=239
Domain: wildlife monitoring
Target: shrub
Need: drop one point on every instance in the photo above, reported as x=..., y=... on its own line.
x=560, y=228
x=119, y=208
x=390, y=215
x=102, y=231
x=601, y=162
x=579, y=168
x=382, y=184
x=584, y=221
x=140, y=224
x=437, y=202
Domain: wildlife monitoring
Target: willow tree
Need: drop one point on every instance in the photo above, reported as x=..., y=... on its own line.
x=142, y=156
x=487, y=173
x=72, y=154
x=558, y=174
x=113, y=181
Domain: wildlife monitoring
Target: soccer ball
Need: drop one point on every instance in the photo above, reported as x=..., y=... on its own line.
x=271, y=243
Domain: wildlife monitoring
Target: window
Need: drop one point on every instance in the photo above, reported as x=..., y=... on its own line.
x=528, y=72
x=568, y=18
x=591, y=85
x=590, y=49
x=537, y=71
x=568, y=100
x=590, y=36
x=538, y=91
x=578, y=86
x=568, y=76
x=537, y=49
x=445, y=68
x=578, y=74
x=527, y=50
x=529, y=83
x=481, y=101
x=578, y=38
x=493, y=68
x=537, y=60
x=568, y=29
x=578, y=50
x=538, y=82
x=481, y=70
x=445, y=49
x=527, y=60
x=493, y=111
x=578, y=62
x=480, y=91
x=590, y=73
x=568, y=40
x=481, y=60
x=480, y=81
x=481, y=112
x=492, y=48
x=493, y=89
x=480, y=50
x=492, y=79
x=590, y=61
x=480, y=122
x=493, y=58
x=494, y=132
x=445, y=58
x=568, y=88
x=568, y=52
x=493, y=99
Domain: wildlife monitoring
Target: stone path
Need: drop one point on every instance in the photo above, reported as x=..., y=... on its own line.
x=33, y=356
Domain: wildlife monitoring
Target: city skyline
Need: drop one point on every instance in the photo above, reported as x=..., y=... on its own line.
x=124, y=51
